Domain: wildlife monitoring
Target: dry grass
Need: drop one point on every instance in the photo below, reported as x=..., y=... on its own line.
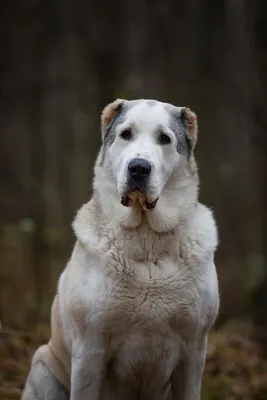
x=235, y=367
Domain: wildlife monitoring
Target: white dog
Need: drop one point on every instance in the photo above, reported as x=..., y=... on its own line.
x=139, y=295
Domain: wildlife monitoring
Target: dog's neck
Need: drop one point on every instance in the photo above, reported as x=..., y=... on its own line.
x=173, y=207
x=104, y=220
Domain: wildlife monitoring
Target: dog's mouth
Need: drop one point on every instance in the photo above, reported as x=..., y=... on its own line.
x=136, y=196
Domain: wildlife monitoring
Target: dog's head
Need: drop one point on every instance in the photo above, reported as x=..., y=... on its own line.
x=146, y=143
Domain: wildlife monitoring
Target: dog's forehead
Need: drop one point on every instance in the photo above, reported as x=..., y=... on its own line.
x=150, y=113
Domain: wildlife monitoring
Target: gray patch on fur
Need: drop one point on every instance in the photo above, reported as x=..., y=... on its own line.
x=177, y=125
x=111, y=130
x=152, y=103
x=117, y=120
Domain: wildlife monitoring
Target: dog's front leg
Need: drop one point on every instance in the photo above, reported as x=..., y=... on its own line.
x=87, y=369
x=187, y=377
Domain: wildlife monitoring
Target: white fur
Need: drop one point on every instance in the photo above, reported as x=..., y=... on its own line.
x=144, y=121
x=140, y=292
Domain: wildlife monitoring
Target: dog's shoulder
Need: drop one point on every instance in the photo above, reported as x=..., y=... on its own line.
x=199, y=236
x=205, y=228
x=199, y=244
x=90, y=227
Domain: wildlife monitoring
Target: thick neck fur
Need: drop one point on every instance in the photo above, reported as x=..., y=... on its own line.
x=103, y=220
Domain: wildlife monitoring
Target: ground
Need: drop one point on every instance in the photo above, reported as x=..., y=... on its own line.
x=236, y=368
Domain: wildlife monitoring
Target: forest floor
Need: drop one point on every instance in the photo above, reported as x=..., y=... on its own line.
x=236, y=367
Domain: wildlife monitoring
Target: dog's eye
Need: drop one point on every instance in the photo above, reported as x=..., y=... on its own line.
x=164, y=139
x=126, y=134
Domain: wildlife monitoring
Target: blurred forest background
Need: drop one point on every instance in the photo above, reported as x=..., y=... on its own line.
x=61, y=62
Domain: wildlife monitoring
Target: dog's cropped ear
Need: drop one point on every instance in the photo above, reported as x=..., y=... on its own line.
x=189, y=120
x=109, y=114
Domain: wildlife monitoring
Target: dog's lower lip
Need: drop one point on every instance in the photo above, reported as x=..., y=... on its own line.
x=125, y=201
x=151, y=206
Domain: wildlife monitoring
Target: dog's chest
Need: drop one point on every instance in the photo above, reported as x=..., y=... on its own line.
x=141, y=315
x=144, y=298
x=144, y=284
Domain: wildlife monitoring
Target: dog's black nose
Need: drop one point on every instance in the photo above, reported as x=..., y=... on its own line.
x=139, y=169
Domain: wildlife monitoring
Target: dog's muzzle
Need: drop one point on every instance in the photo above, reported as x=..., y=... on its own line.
x=139, y=171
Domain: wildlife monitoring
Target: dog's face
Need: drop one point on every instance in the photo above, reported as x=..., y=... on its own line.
x=144, y=143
